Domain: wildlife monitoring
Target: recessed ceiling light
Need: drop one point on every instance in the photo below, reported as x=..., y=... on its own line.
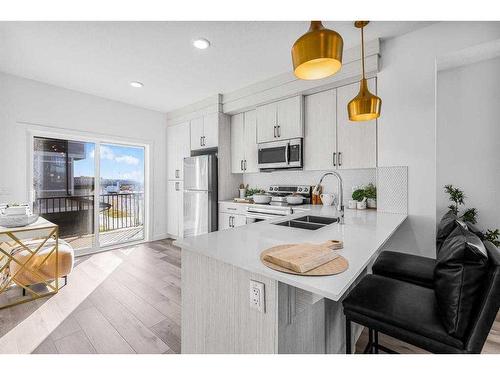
x=201, y=43
x=136, y=84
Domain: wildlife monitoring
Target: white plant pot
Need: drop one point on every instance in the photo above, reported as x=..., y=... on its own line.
x=371, y=203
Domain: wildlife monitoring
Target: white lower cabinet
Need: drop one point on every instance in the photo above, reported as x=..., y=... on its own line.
x=175, y=214
x=227, y=220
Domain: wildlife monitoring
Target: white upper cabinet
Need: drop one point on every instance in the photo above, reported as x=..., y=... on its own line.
x=356, y=141
x=197, y=133
x=237, y=143
x=290, y=118
x=244, y=143
x=205, y=132
x=280, y=120
x=266, y=122
x=178, y=148
x=211, y=130
x=320, y=131
x=250, y=143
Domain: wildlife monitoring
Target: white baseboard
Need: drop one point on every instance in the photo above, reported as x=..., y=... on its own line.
x=159, y=236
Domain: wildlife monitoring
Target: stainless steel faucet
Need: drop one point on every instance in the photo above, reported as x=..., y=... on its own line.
x=340, y=203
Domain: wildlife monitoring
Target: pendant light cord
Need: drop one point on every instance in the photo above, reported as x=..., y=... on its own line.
x=363, y=52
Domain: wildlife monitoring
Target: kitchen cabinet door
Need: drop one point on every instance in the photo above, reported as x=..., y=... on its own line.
x=237, y=142
x=290, y=118
x=266, y=122
x=196, y=126
x=172, y=172
x=224, y=221
x=239, y=220
x=178, y=148
x=173, y=218
x=250, y=142
x=356, y=141
x=320, y=131
x=183, y=147
x=211, y=130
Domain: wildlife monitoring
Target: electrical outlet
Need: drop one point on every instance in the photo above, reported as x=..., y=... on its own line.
x=257, y=296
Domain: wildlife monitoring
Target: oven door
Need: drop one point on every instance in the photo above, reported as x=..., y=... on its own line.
x=280, y=154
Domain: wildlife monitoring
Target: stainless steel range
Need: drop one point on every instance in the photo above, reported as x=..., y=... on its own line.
x=280, y=192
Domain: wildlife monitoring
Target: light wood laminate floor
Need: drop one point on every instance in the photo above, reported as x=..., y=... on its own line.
x=135, y=308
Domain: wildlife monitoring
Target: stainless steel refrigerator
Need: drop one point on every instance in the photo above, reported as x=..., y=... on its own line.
x=200, y=195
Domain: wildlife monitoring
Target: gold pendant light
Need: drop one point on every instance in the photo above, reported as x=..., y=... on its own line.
x=318, y=53
x=365, y=106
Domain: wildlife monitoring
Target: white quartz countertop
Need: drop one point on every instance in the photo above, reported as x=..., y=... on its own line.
x=364, y=233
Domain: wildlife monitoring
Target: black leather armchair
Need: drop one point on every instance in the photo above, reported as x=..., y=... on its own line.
x=401, y=303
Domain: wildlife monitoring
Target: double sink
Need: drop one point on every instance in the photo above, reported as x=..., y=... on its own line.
x=309, y=222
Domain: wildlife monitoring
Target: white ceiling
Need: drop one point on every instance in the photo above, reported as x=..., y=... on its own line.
x=101, y=58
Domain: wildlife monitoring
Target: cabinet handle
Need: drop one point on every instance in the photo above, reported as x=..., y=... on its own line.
x=334, y=159
x=340, y=159
x=176, y=173
x=204, y=144
x=201, y=141
x=231, y=224
x=176, y=186
x=245, y=165
x=241, y=164
x=274, y=131
x=279, y=131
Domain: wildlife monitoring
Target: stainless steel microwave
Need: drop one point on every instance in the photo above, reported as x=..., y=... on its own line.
x=280, y=154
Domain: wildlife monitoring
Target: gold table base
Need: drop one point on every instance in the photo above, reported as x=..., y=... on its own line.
x=20, y=237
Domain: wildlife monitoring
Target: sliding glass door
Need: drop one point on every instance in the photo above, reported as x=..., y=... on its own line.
x=90, y=215
x=121, y=216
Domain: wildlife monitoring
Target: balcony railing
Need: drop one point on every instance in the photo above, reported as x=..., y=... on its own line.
x=75, y=214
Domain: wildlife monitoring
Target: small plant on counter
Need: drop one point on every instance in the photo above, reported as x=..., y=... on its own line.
x=250, y=192
x=358, y=195
x=371, y=191
x=457, y=196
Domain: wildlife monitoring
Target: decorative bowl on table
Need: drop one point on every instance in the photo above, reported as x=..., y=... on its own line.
x=13, y=221
x=294, y=199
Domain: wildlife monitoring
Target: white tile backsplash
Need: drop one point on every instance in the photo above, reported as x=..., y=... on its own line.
x=351, y=178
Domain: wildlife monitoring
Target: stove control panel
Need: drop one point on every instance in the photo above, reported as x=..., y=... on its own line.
x=290, y=189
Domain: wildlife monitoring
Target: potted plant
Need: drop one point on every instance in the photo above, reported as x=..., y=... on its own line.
x=371, y=195
x=359, y=196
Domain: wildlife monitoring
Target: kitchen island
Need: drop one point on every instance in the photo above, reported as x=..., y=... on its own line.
x=301, y=314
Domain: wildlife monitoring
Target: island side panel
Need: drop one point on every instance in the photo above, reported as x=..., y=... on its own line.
x=216, y=314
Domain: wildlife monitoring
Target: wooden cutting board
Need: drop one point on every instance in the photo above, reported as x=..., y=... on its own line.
x=333, y=267
x=305, y=258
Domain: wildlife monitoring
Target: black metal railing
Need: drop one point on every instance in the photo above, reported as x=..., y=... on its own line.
x=75, y=214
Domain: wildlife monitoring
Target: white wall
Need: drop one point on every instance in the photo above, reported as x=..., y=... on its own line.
x=406, y=129
x=24, y=102
x=468, y=137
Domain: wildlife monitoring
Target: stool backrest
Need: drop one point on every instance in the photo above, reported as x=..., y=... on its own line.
x=489, y=304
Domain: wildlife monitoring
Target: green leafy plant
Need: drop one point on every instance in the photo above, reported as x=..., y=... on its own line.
x=358, y=195
x=253, y=191
x=371, y=191
x=457, y=196
x=492, y=235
